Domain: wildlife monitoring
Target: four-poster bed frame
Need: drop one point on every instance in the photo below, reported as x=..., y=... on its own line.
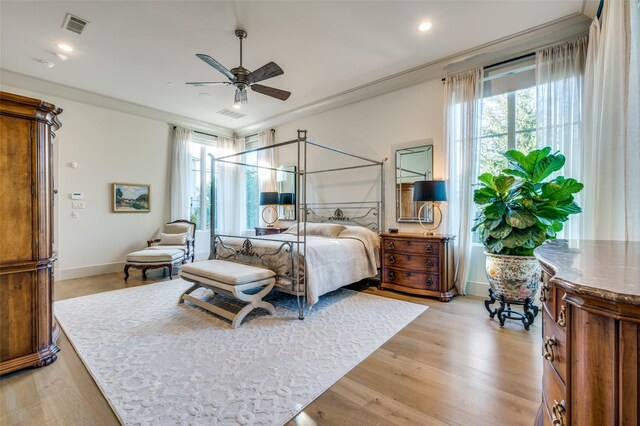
x=372, y=218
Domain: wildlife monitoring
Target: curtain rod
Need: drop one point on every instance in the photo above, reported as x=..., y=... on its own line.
x=600, y=6
x=527, y=55
x=201, y=133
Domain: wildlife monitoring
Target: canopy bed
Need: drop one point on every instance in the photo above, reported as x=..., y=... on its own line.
x=329, y=245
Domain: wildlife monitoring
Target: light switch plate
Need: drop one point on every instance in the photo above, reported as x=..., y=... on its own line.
x=77, y=205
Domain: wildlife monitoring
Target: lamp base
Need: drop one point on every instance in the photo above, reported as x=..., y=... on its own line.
x=429, y=231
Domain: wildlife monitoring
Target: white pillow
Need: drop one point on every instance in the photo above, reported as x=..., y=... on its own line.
x=322, y=229
x=173, y=239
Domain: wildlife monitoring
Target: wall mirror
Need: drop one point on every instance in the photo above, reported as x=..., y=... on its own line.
x=286, y=179
x=412, y=164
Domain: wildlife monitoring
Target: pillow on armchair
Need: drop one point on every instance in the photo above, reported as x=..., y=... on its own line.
x=173, y=239
x=178, y=228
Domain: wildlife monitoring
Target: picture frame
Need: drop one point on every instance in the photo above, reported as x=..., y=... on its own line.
x=130, y=198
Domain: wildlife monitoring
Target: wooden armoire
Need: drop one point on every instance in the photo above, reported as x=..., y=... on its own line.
x=27, y=329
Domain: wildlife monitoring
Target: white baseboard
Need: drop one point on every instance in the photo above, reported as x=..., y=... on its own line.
x=107, y=268
x=87, y=271
x=476, y=288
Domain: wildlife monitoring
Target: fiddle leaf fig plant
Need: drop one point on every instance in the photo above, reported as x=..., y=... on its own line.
x=518, y=210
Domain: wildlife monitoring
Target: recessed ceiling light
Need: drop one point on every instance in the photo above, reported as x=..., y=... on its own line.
x=169, y=83
x=425, y=26
x=237, y=105
x=62, y=57
x=46, y=64
x=204, y=95
x=64, y=47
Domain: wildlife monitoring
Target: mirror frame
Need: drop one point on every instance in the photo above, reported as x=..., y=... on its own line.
x=399, y=190
x=281, y=209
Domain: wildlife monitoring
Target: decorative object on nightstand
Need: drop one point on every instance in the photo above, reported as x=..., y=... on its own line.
x=287, y=199
x=431, y=192
x=418, y=264
x=517, y=212
x=269, y=231
x=269, y=199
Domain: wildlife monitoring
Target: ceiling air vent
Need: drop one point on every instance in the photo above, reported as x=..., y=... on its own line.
x=230, y=113
x=74, y=24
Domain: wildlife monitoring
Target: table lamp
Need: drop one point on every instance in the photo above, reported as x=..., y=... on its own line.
x=269, y=199
x=429, y=191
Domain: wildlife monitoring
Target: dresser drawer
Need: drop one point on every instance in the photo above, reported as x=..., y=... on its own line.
x=418, y=280
x=554, y=398
x=554, y=345
x=412, y=261
x=411, y=246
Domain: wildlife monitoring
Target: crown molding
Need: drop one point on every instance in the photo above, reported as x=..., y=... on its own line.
x=25, y=82
x=562, y=29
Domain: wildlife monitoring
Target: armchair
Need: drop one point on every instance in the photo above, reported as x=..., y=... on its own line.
x=179, y=234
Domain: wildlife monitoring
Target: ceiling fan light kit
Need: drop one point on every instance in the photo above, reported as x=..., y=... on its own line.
x=241, y=78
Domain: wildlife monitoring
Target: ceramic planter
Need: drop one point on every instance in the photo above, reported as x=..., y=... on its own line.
x=515, y=277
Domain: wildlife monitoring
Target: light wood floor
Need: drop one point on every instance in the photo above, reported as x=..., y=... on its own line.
x=452, y=365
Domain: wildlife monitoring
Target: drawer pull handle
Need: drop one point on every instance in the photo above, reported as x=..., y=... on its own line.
x=391, y=275
x=429, y=281
x=429, y=263
x=391, y=246
x=549, y=343
x=558, y=412
x=562, y=316
x=392, y=259
x=429, y=248
x=543, y=292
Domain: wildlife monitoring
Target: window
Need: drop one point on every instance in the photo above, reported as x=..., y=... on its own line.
x=202, y=146
x=508, y=114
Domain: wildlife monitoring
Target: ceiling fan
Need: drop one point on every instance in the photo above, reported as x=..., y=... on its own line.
x=241, y=78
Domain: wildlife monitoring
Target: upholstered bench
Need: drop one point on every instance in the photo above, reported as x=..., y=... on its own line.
x=151, y=258
x=231, y=279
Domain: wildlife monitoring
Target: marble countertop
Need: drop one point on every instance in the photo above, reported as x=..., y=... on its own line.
x=604, y=269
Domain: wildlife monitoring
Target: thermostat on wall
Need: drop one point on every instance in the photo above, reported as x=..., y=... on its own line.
x=77, y=195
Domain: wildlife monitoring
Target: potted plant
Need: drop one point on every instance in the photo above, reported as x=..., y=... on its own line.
x=517, y=211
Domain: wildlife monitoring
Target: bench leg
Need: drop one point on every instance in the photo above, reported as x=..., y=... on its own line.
x=188, y=291
x=126, y=272
x=255, y=301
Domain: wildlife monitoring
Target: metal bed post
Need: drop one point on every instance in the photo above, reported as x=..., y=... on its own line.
x=304, y=197
x=381, y=207
x=212, y=214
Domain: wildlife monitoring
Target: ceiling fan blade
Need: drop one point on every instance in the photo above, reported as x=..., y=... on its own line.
x=264, y=72
x=217, y=65
x=207, y=83
x=283, y=95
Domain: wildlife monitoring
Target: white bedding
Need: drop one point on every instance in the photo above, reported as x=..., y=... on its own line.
x=330, y=263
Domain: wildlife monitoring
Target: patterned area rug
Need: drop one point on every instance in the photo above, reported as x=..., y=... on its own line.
x=161, y=363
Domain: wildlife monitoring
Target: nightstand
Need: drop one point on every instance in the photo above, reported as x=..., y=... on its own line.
x=269, y=230
x=418, y=264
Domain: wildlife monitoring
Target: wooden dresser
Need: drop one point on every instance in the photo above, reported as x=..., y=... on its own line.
x=269, y=230
x=591, y=333
x=418, y=264
x=27, y=334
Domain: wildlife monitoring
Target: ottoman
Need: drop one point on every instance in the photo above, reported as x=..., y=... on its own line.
x=151, y=258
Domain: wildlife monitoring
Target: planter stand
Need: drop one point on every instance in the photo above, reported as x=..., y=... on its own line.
x=505, y=312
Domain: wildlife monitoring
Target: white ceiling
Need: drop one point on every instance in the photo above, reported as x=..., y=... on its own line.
x=130, y=50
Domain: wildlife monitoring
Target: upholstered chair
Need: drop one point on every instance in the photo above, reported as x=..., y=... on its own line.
x=179, y=234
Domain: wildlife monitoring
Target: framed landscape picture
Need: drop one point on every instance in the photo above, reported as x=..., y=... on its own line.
x=131, y=198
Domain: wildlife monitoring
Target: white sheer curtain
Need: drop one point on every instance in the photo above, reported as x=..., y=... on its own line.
x=463, y=111
x=611, y=159
x=181, y=173
x=231, y=214
x=559, y=84
x=266, y=158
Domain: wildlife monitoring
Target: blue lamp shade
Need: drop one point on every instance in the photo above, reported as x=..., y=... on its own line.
x=267, y=198
x=287, y=199
x=429, y=190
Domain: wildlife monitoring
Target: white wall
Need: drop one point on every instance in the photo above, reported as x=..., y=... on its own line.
x=109, y=146
x=375, y=128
